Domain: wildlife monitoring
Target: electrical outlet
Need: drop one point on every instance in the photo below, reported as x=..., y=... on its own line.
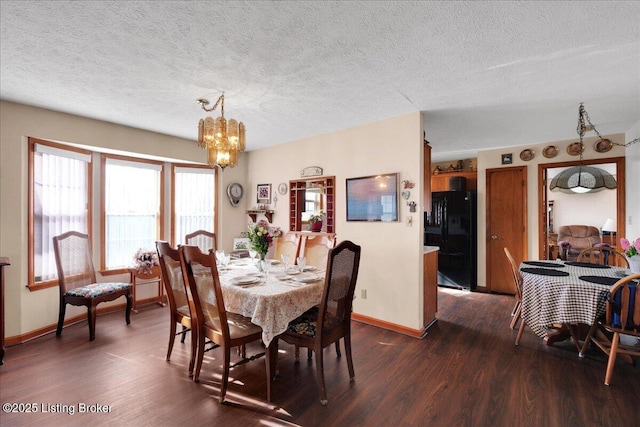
x=363, y=293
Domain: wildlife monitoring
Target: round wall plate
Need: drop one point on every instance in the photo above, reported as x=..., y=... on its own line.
x=603, y=146
x=575, y=149
x=282, y=188
x=527, y=154
x=550, y=151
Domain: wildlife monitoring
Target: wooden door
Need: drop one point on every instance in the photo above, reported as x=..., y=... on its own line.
x=506, y=224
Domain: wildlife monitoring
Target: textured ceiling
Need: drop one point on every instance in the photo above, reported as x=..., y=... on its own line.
x=485, y=74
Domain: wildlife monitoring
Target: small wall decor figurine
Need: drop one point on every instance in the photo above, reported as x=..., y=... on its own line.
x=407, y=184
x=412, y=206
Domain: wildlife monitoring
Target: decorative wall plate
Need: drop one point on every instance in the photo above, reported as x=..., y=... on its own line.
x=282, y=188
x=550, y=151
x=603, y=146
x=575, y=149
x=527, y=154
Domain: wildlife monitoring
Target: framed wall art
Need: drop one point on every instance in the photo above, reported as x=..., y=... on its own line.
x=507, y=159
x=264, y=194
x=373, y=198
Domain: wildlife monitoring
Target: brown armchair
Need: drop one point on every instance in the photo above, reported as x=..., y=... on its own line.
x=573, y=239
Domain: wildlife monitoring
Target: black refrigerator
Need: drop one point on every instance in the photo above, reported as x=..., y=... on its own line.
x=451, y=225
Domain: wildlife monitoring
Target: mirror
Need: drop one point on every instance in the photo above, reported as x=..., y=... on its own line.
x=310, y=197
x=594, y=209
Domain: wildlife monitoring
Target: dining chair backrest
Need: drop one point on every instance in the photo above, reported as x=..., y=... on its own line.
x=288, y=243
x=603, y=255
x=72, y=251
x=315, y=248
x=203, y=239
x=340, y=284
x=169, y=259
x=622, y=317
x=515, y=272
x=208, y=303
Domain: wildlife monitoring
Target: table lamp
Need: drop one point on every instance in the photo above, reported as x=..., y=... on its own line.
x=610, y=227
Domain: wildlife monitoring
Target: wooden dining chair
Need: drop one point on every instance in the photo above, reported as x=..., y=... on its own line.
x=77, y=280
x=315, y=248
x=212, y=320
x=326, y=324
x=517, y=282
x=603, y=255
x=180, y=310
x=203, y=239
x=289, y=244
x=622, y=316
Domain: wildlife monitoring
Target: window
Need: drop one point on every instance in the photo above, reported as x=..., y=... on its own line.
x=131, y=208
x=59, y=195
x=193, y=201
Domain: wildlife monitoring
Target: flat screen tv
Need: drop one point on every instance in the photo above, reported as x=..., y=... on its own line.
x=373, y=198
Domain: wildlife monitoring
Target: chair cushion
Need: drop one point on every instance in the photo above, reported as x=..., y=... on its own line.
x=617, y=307
x=97, y=289
x=239, y=325
x=306, y=323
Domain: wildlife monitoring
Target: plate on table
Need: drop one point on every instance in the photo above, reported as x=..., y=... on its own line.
x=308, y=278
x=309, y=268
x=292, y=271
x=245, y=280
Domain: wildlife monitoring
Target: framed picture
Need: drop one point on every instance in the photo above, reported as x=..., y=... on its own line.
x=507, y=159
x=373, y=198
x=264, y=194
x=241, y=244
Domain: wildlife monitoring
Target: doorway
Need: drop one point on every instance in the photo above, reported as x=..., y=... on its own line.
x=506, y=224
x=547, y=233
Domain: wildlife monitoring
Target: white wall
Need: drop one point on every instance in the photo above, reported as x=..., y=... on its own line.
x=390, y=268
x=633, y=180
x=583, y=209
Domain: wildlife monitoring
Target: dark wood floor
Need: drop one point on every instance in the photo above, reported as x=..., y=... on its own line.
x=466, y=372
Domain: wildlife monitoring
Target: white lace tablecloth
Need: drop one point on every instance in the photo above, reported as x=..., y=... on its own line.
x=271, y=303
x=548, y=300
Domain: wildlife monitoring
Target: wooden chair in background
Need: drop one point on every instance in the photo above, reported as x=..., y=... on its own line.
x=77, y=280
x=203, y=239
x=603, y=255
x=288, y=243
x=214, y=322
x=331, y=320
x=315, y=248
x=622, y=316
x=517, y=283
x=179, y=306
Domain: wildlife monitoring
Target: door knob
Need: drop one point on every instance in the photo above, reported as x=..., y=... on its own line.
x=494, y=237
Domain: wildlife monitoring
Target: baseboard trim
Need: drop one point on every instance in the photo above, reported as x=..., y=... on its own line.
x=19, y=339
x=415, y=333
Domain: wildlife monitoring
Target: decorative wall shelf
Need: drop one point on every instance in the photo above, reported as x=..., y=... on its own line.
x=254, y=214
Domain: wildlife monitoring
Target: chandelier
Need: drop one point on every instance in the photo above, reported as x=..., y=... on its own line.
x=220, y=138
x=581, y=178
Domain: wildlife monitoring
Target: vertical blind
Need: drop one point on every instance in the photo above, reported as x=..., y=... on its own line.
x=194, y=201
x=60, y=202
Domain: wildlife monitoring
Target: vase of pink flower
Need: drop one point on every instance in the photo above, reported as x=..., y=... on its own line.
x=632, y=252
x=261, y=236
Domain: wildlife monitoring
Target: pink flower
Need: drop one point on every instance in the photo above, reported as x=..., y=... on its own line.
x=625, y=244
x=629, y=248
x=637, y=244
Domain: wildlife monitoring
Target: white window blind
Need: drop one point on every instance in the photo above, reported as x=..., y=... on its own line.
x=132, y=210
x=60, y=202
x=194, y=208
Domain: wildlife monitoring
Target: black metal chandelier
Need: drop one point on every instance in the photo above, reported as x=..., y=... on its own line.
x=581, y=178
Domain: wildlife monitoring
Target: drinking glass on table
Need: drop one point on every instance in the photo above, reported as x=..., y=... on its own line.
x=219, y=256
x=302, y=262
x=253, y=254
x=285, y=259
x=224, y=260
x=266, y=267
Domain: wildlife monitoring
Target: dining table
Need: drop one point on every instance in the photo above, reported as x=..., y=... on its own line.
x=270, y=299
x=564, y=293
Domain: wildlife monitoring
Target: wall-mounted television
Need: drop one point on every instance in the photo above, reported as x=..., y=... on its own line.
x=373, y=198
